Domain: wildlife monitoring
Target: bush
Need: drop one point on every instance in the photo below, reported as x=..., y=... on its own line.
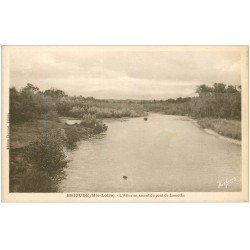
x=41, y=165
x=18, y=169
x=47, y=153
x=34, y=180
x=51, y=115
x=90, y=121
x=74, y=133
x=88, y=126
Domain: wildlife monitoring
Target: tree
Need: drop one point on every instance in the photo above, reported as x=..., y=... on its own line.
x=219, y=87
x=204, y=90
x=30, y=104
x=47, y=154
x=54, y=93
x=231, y=89
x=24, y=105
x=31, y=87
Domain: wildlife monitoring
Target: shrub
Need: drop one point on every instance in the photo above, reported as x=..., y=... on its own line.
x=41, y=165
x=47, y=153
x=44, y=161
x=18, y=169
x=34, y=180
x=90, y=121
x=74, y=133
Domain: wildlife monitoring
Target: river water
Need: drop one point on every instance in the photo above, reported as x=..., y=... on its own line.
x=165, y=153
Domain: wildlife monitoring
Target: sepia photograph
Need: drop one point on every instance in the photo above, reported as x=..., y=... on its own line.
x=125, y=123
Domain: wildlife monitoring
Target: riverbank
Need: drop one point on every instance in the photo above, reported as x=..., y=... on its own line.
x=37, y=151
x=224, y=127
x=21, y=135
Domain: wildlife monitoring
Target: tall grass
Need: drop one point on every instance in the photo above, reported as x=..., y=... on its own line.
x=111, y=111
x=228, y=128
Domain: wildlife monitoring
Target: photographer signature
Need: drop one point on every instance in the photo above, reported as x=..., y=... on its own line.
x=226, y=182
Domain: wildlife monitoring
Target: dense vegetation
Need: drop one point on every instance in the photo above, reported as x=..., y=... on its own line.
x=30, y=103
x=216, y=107
x=218, y=101
x=89, y=125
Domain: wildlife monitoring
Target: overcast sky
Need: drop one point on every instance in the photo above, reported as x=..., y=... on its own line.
x=123, y=73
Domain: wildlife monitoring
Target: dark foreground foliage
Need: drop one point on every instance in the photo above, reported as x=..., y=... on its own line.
x=40, y=166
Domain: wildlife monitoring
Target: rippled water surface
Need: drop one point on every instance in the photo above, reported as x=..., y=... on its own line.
x=165, y=153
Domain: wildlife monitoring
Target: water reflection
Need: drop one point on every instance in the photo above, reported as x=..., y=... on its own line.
x=164, y=153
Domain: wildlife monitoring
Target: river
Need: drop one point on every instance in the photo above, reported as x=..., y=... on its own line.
x=164, y=153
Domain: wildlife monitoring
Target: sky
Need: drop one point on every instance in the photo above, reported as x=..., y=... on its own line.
x=124, y=72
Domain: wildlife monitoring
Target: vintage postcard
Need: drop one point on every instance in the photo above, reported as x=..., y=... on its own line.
x=124, y=123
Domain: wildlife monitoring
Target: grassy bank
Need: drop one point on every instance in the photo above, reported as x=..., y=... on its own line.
x=21, y=135
x=228, y=128
x=24, y=133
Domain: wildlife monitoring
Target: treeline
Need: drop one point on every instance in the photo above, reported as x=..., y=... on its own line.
x=217, y=101
x=79, y=106
x=30, y=104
